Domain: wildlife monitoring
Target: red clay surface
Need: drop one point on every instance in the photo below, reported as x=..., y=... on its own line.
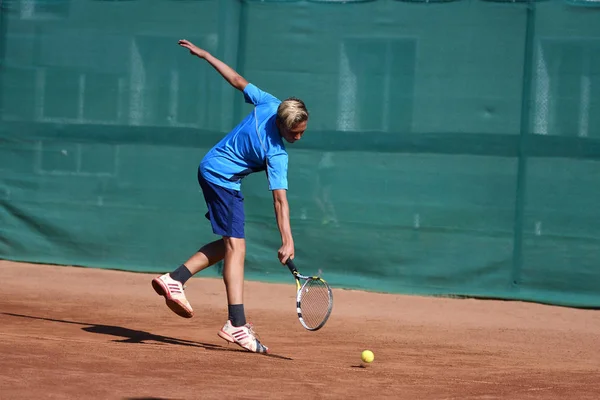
x=74, y=333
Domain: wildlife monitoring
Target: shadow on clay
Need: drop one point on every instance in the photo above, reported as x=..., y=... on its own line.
x=135, y=336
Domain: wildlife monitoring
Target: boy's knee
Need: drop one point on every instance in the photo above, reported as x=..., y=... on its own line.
x=234, y=244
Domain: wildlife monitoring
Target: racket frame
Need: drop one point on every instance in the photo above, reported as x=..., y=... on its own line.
x=299, y=287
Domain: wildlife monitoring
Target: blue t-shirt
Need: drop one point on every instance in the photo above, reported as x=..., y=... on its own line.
x=241, y=152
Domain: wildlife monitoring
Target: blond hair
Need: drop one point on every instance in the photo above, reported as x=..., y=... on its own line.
x=291, y=112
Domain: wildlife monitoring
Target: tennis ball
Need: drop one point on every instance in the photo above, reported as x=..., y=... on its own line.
x=367, y=356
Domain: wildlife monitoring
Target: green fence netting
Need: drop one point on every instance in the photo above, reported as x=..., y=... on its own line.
x=457, y=143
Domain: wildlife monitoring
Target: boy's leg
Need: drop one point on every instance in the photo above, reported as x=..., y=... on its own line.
x=233, y=269
x=236, y=330
x=233, y=276
x=171, y=285
x=208, y=255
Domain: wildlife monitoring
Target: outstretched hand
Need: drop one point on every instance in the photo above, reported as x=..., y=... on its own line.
x=286, y=252
x=195, y=50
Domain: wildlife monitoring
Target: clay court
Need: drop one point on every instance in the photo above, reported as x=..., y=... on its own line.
x=73, y=333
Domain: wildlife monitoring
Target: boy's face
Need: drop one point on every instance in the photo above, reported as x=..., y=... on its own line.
x=291, y=135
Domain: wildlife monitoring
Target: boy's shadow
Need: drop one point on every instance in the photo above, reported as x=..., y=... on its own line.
x=135, y=336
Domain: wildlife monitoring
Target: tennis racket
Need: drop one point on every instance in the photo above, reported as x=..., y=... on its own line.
x=314, y=299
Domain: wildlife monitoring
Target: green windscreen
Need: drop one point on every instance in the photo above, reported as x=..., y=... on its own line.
x=453, y=146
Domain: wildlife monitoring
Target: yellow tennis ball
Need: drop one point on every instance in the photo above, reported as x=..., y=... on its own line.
x=367, y=356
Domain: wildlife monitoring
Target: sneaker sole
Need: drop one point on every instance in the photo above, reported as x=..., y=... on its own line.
x=226, y=337
x=174, y=305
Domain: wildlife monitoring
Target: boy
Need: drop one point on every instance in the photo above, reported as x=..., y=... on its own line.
x=253, y=145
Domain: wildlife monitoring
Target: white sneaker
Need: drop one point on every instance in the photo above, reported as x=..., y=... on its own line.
x=243, y=336
x=166, y=286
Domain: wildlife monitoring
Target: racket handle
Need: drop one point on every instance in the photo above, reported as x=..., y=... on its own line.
x=290, y=264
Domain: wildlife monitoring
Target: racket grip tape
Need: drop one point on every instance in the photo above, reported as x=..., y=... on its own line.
x=290, y=264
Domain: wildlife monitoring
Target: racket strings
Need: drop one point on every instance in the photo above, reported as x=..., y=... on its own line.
x=315, y=302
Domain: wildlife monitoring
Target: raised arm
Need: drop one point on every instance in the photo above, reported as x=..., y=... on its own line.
x=234, y=79
x=282, y=213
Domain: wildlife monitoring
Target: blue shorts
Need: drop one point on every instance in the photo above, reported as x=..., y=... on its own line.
x=225, y=208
